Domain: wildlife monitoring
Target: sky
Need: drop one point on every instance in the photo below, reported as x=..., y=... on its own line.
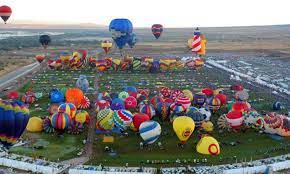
x=144, y=13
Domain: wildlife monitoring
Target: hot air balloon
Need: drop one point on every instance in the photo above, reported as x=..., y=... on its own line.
x=147, y=109
x=138, y=119
x=75, y=96
x=157, y=30
x=68, y=108
x=235, y=119
x=5, y=13
x=60, y=121
x=183, y=127
x=56, y=96
x=105, y=119
x=106, y=45
x=14, y=117
x=277, y=106
x=122, y=119
x=132, y=40
x=121, y=30
x=202, y=50
x=199, y=98
x=40, y=58
x=44, y=40
x=208, y=145
x=130, y=102
x=150, y=131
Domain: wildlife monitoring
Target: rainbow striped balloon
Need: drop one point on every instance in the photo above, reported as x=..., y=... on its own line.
x=68, y=108
x=122, y=119
x=150, y=131
x=60, y=121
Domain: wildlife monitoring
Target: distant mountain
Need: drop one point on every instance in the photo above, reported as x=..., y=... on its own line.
x=29, y=25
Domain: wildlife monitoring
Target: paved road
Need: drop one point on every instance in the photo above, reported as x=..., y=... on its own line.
x=6, y=79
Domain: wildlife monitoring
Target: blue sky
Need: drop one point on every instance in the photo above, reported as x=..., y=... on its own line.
x=143, y=13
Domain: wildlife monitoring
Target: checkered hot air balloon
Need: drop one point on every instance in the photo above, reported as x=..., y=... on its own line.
x=196, y=44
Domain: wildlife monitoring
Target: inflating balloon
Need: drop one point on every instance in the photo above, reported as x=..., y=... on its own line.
x=130, y=102
x=105, y=119
x=56, y=96
x=35, y=124
x=235, y=119
x=122, y=119
x=138, y=119
x=82, y=116
x=60, y=121
x=208, y=145
x=183, y=127
x=68, y=108
x=150, y=131
x=75, y=96
x=14, y=117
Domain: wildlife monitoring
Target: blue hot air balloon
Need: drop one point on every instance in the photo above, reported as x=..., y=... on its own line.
x=14, y=117
x=132, y=40
x=121, y=30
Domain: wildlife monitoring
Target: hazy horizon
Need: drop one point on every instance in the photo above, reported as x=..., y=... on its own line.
x=173, y=14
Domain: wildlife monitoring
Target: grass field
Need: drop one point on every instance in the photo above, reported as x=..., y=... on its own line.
x=249, y=144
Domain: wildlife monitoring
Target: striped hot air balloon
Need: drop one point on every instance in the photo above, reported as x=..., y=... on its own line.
x=196, y=44
x=60, y=121
x=150, y=131
x=68, y=108
x=157, y=30
x=122, y=119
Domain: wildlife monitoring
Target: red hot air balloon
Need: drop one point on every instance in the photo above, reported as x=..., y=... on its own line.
x=5, y=12
x=157, y=29
x=40, y=58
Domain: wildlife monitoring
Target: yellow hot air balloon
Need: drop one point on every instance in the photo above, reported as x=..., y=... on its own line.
x=183, y=127
x=202, y=51
x=106, y=45
x=208, y=145
x=188, y=94
x=34, y=124
x=189, y=42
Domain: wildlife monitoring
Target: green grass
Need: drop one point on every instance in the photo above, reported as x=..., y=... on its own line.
x=253, y=145
x=54, y=147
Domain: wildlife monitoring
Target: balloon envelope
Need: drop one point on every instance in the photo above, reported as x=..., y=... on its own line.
x=183, y=127
x=5, y=12
x=150, y=131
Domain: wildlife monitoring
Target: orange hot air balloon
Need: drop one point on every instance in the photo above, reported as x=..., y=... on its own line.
x=75, y=96
x=40, y=58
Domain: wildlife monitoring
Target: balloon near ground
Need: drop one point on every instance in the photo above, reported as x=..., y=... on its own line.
x=150, y=131
x=208, y=145
x=183, y=127
x=14, y=117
